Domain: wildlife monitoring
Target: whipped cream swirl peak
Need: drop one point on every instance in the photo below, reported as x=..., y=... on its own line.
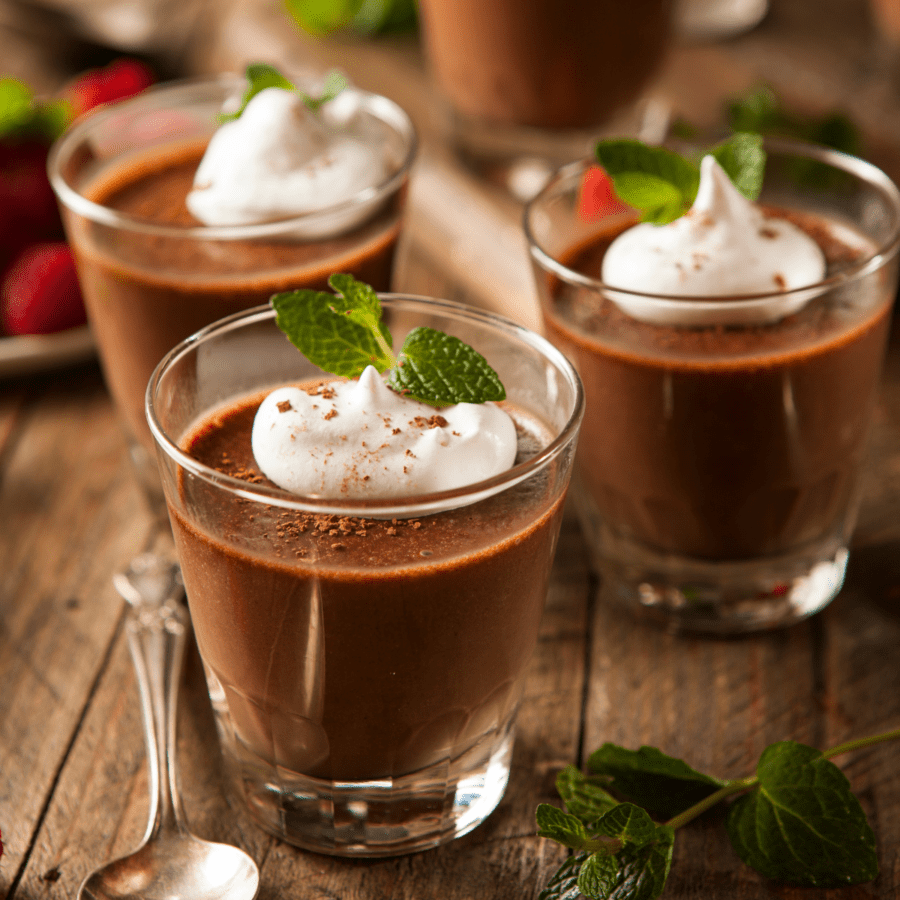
x=360, y=440
x=280, y=159
x=724, y=247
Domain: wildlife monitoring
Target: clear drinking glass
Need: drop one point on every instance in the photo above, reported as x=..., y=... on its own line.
x=529, y=86
x=720, y=465
x=151, y=274
x=364, y=659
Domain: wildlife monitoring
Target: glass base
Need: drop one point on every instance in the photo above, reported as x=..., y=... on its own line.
x=732, y=597
x=387, y=817
x=520, y=160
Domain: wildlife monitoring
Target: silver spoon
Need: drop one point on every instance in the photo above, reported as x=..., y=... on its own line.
x=171, y=863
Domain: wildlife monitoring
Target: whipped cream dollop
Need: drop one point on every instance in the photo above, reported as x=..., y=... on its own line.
x=362, y=440
x=280, y=159
x=723, y=247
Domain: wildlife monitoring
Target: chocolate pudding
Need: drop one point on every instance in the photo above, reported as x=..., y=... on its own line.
x=546, y=63
x=365, y=656
x=147, y=292
x=718, y=443
x=352, y=649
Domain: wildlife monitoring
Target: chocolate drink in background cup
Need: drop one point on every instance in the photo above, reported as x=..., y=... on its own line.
x=530, y=86
x=365, y=627
x=731, y=362
x=289, y=191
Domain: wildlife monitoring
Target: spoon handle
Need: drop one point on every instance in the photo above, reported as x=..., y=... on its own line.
x=156, y=637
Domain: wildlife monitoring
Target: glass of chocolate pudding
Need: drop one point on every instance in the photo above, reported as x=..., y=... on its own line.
x=529, y=86
x=365, y=658
x=152, y=273
x=724, y=437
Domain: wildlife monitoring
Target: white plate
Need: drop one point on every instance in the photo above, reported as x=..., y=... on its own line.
x=41, y=352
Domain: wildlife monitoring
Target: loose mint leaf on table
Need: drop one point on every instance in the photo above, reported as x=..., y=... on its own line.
x=583, y=795
x=643, y=863
x=564, y=883
x=342, y=333
x=802, y=824
x=564, y=828
x=261, y=76
x=663, y=185
x=650, y=778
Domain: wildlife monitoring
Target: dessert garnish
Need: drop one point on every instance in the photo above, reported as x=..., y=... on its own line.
x=662, y=184
x=342, y=333
x=428, y=427
x=702, y=236
x=261, y=76
x=796, y=820
x=286, y=155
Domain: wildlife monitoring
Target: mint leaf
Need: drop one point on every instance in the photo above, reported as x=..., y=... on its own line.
x=439, y=369
x=22, y=115
x=261, y=76
x=583, y=796
x=327, y=331
x=658, y=182
x=565, y=829
x=641, y=865
x=650, y=778
x=662, y=185
x=802, y=824
x=342, y=333
x=564, y=883
x=334, y=83
x=744, y=161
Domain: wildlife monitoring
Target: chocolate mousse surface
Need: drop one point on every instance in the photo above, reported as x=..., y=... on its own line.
x=351, y=648
x=145, y=293
x=723, y=443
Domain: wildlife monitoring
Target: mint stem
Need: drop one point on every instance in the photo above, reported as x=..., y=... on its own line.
x=732, y=787
x=862, y=742
x=743, y=784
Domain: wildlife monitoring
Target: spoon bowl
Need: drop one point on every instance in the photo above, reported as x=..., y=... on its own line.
x=170, y=863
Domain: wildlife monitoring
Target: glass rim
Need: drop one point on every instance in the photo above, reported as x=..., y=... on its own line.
x=380, y=107
x=871, y=262
x=406, y=507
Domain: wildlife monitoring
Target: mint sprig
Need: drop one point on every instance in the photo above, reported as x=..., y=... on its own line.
x=342, y=333
x=261, y=76
x=662, y=184
x=796, y=820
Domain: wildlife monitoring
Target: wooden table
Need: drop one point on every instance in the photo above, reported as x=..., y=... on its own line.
x=73, y=777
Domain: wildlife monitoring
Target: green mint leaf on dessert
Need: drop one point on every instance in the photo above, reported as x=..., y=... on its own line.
x=744, y=161
x=658, y=182
x=335, y=82
x=342, y=333
x=261, y=76
x=440, y=369
x=662, y=184
x=650, y=778
x=583, y=795
x=802, y=824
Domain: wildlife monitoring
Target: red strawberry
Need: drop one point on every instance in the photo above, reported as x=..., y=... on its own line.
x=597, y=198
x=122, y=78
x=40, y=292
x=28, y=209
